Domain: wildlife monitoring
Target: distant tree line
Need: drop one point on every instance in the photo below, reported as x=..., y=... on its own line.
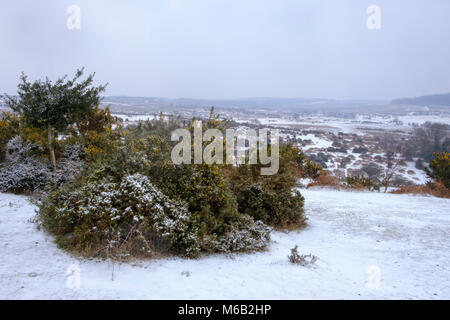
x=436, y=99
x=428, y=139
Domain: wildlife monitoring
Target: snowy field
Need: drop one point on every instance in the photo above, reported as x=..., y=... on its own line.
x=357, y=125
x=369, y=245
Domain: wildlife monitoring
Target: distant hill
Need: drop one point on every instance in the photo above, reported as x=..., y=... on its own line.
x=249, y=102
x=126, y=104
x=435, y=99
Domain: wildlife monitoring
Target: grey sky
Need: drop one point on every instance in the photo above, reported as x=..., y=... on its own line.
x=233, y=48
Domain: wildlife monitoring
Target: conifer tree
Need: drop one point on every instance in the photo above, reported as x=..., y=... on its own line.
x=54, y=106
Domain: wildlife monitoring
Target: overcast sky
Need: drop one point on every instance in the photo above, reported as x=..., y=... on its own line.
x=233, y=48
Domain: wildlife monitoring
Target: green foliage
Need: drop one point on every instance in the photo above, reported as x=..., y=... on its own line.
x=130, y=200
x=206, y=192
x=35, y=136
x=202, y=187
x=25, y=171
x=43, y=110
x=55, y=106
x=21, y=172
x=279, y=209
x=214, y=222
x=244, y=175
x=23, y=177
x=311, y=170
x=58, y=104
x=97, y=131
x=270, y=198
x=362, y=182
x=439, y=168
x=9, y=127
x=118, y=219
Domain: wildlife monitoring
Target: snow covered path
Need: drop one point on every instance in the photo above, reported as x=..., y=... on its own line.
x=369, y=245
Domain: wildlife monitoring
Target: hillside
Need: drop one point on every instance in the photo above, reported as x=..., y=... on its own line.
x=436, y=99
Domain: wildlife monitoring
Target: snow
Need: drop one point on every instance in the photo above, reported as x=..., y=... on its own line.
x=358, y=124
x=369, y=245
x=418, y=177
x=132, y=117
x=420, y=119
x=318, y=143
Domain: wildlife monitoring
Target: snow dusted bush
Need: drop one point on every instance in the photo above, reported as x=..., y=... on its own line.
x=9, y=127
x=113, y=210
x=23, y=177
x=22, y=172
x=73, y=152
x=18, y=150
x=169, y=219
x=271, y=199
x=120, y=219
x=301, y=259
x=246, y=236
x=25, y=171
x=133, y=218
x=69, y=166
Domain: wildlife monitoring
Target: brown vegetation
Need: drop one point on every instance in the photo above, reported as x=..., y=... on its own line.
x=325, y=180
x=434, y=189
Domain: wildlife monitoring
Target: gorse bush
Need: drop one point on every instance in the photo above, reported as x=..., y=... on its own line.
x=113, y=192
x=55, y=106
x=134, y=218
x=312, y=170
x=18, y=149
x=130, y=217
x=439, y=168
x=281, y=209
x=270, y=198
x=358, y=182
x=210, y=205
x=24, y=171
x=9, y=127
x=203, y=188
x=245, y=235
x=23, y=177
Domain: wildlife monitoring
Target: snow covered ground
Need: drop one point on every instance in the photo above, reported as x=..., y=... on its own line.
x=134, y=118
x=359, y=124
x=369, y=245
